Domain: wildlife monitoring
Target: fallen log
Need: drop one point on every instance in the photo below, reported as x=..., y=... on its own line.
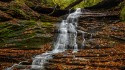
x=56, y=12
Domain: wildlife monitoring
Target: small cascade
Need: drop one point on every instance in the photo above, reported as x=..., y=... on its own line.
x=62, y=39
x=91, y=37
x=40, y=60
x=83, y=39
x=68, y=33
x=67, y=39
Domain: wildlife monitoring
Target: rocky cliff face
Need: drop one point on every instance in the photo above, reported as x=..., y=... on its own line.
x=21, y=26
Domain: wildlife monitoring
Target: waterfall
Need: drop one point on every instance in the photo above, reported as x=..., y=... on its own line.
x=66, y=39
x=62, y=39
x=68, y=33
x=83, y=38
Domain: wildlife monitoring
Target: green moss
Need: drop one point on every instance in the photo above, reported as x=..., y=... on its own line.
x=122, y=15
x=33, y=42
x=48, y=3
x=29, y=3
x=27, y=22
x=19, y=9
x=20, y=13
x=27, y=34
x=47, y=24
x=20, y=1
x=63, y=3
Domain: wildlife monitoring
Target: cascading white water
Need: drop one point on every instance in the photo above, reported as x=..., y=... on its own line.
x=66, y=38
x=68, y=33
x=83, y=38
x=40, y=60
x=62, y=39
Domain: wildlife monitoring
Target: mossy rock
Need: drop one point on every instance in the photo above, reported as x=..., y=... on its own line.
x=18, y=9
x=46, y=24
x=34, y=42
x=41, y=3
x=25, y=34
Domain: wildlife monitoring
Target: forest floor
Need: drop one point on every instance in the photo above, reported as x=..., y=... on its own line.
x=104, y=59
x=10, y=56
x=90, y=59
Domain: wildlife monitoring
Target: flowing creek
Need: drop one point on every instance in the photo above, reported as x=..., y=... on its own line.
x=89, y=45
x=67, y=39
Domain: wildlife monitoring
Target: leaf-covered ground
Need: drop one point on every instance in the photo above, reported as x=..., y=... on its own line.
x=10, y=56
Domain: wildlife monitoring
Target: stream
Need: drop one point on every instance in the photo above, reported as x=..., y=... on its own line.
x=66, y=39
x=87, y=45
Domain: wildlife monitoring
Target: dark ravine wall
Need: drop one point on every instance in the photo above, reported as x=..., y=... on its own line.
x=106, y=4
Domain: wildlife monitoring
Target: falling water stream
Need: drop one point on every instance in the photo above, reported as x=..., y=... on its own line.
x=67, y=39
x=83, y=38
